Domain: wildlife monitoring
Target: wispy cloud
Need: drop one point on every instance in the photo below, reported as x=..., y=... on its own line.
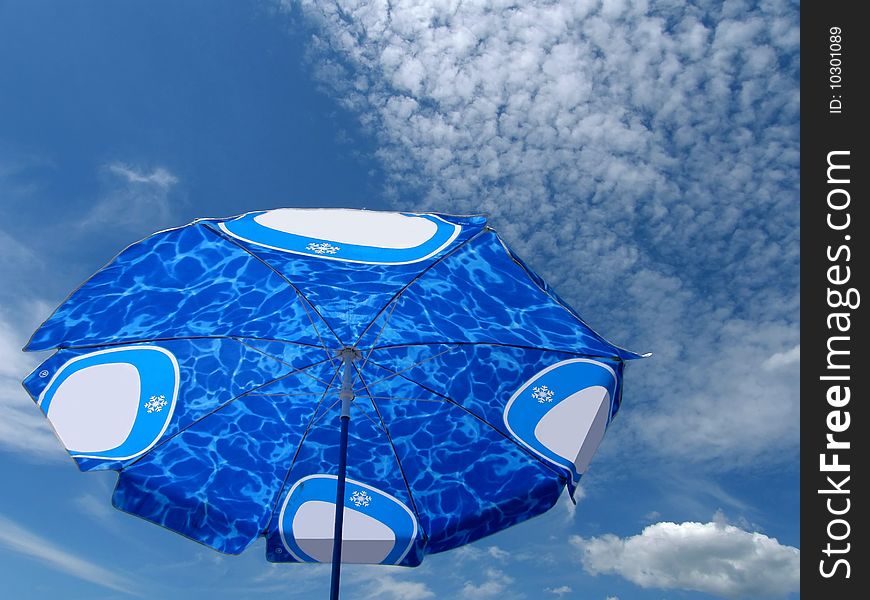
x=570, y=506
x=23, y=541
x=23, y=428
x=361, y=581
x=392, y=588
x=22, y=269
x=98, y=508
x=619, y=148
x=158, y=177
x=14, y=253
x=714, y=558
x=698, y=493
x=560, y=591
x=374, y=581
x=136, y=199
x=478, y=553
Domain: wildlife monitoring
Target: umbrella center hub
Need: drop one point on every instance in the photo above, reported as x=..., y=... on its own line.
x=349, y=354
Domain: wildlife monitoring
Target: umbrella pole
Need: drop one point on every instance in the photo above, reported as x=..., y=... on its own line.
x=348, y=355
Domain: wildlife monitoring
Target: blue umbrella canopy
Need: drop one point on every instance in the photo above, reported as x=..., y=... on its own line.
x=209, y=365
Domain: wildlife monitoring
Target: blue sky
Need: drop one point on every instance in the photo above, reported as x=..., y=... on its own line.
x=643, y=157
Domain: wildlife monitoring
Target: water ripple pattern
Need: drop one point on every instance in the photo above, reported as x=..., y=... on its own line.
x=349, y=295
x=183, y=282
x=481, y=294
x=244, y=432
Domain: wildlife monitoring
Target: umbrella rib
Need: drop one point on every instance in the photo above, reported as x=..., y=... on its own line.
x=328, y=384
x=331, y=406
x=317, y=418
x=499, y=345
x=409, y=367
x=264, y=353
x=395, y=453
x=450, y=400
x=311, y=422
x=282, y=394
x=183, y=338
x=416, y=278
x=109, y=262
x=374, y=343
x=295, y=289
x=216, y=409
x=440, y=401
x=314, y=325
x=362, y=409
x=550, y=292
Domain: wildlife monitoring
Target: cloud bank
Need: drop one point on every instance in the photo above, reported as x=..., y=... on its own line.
x=643, y=157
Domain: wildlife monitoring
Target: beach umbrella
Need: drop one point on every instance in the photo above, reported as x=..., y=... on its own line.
x=217, y=367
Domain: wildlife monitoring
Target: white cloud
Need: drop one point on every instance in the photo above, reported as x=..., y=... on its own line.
x=783, y=359
x=498, y=554
x=714, y=558
x=559, y=591
x=642, y=156
x=493, y=586
x=23, y=541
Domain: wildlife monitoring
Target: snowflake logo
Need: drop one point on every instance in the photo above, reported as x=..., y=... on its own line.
x=542, y=394
x=155, y=403
x=360, y=498
x=323, y=248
